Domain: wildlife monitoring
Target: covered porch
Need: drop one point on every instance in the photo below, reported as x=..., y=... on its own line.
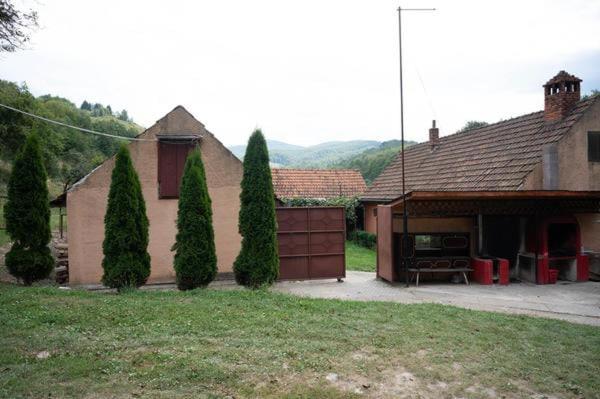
x=487, y=236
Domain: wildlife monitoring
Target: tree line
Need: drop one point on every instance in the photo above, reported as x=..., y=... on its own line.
x=98, y=109
x=67, y=155
x=126, y=261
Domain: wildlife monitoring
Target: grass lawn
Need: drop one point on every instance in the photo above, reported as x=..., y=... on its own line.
x=360, y=258
x=4, y=238
x=215, y=343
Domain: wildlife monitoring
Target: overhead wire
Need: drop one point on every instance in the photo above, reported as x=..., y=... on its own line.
x=426, y=94
x=81, y=129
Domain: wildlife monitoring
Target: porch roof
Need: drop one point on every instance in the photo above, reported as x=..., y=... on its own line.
x=467, y=203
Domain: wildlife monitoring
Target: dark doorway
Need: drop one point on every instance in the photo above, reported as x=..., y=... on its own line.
x=501, y=237
x=562, y=239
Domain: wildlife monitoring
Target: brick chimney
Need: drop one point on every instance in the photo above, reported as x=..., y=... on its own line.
x=434, y=135
x=561, y=93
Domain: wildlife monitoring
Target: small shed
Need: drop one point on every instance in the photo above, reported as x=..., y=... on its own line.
x=159, y=162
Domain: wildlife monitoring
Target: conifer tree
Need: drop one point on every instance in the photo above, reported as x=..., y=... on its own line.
x=27, y=215
x=257, y=263
x=126, y=260
x=195, y=256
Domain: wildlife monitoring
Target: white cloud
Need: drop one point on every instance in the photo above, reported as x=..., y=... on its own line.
x=310, y=71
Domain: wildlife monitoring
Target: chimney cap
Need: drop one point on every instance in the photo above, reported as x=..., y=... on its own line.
x=433, y=124
x=562, y=76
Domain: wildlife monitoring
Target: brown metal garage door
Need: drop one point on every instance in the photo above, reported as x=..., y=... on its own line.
x=311, y=243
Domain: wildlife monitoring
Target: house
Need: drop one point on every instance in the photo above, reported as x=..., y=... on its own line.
x=526, y=190
x=320, y=184
x=158, y=158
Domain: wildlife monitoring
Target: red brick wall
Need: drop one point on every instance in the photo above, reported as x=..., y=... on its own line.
x=558, y=105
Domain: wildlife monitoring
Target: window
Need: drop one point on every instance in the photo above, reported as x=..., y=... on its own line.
x=594, y=146
x=171, y=160
x=459, y=242
x=428, y=241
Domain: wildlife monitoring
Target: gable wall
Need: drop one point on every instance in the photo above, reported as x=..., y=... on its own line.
x=86, y=205
x=575, y=172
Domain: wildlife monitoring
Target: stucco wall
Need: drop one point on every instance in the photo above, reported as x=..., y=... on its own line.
x=575, y=172
x=370, y=219
x=86, y=204
x=589, y=224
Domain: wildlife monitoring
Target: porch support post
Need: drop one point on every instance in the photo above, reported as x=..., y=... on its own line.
x=537, y=246
x=479, y=234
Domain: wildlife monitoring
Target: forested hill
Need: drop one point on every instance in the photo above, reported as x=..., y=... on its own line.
x=373, y=161
x=315, y=156
x=68, y=154
x=368, y=156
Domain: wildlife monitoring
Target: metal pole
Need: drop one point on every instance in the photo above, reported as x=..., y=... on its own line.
x=404, y=202
x=404, y=211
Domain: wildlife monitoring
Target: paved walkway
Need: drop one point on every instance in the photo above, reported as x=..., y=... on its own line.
x=575, y=302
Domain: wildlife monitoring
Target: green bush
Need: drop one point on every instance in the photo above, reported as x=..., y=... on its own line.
x=364, y=239
x=257, y=263
x=350, y=205
x=126, y=260
x=195, y=256
x=27, y=215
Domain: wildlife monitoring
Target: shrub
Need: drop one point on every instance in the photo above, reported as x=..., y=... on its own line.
x=364, y=239
x=195, y=257
x=350, y=205
x=27, y=215
x=126, y=260
x=258, y=262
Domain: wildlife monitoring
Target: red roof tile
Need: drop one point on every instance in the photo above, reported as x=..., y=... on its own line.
x=495, y=157
x=317, y=183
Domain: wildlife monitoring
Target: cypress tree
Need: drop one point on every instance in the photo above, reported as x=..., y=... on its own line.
x=195, y=256
x=126, y=260
x=258, y=262
x=27, y=215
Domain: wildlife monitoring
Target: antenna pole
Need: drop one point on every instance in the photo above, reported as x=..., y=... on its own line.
x=405, y=241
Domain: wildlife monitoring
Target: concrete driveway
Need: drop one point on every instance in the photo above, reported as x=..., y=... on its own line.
x=575, y=302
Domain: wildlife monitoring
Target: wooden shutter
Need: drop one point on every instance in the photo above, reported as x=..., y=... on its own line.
x=171, y=161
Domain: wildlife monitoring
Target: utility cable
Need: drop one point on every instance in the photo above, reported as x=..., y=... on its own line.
x=426, y=94
x=81, y=129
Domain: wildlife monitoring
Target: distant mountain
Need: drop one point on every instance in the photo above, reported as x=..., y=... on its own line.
x=370, y=157
x=274, y=145
x=316, y=156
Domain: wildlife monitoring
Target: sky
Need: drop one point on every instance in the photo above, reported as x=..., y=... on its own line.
x=310, y=71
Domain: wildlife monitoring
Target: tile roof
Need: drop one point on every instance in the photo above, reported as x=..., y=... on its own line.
x=492, y=158
x=317, y=183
